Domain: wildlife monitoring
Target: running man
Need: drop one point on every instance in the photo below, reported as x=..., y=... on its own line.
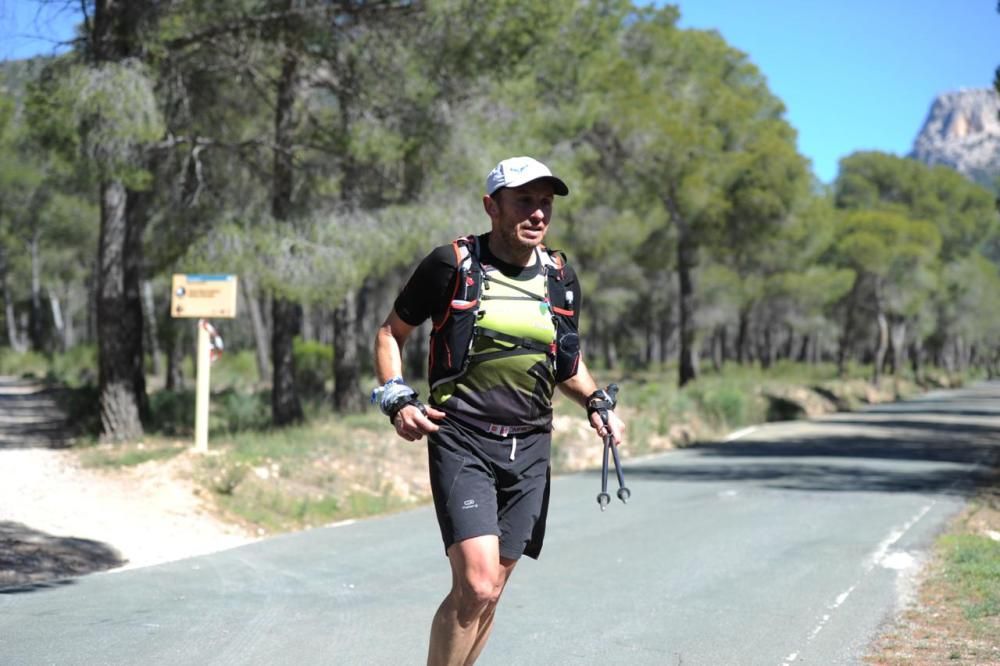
x=506, y=312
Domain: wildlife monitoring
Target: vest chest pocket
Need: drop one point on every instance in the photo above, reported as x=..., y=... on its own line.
x=518, y=311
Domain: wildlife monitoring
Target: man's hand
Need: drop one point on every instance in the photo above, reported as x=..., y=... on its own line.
x=616, y=425
x=412, y=425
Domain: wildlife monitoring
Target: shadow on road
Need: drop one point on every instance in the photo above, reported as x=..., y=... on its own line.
x=903, y=453
x=31, y=560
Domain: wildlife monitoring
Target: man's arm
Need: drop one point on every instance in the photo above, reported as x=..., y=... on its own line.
x=409, y=422
x=580, y=387
x=389, y=340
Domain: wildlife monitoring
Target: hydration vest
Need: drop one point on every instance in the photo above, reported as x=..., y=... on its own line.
x=469, y=317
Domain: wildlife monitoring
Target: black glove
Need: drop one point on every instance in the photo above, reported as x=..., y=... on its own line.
x=602, y=401
x=396, y=405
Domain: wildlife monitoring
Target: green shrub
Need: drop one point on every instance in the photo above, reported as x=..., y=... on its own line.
x=23, y=364
x=235, y=411
x=230, y=411
x=721, y=405
x=235, y=369
x=313, y=366
x=172, y=413
x=76, y=367
x=82, y=409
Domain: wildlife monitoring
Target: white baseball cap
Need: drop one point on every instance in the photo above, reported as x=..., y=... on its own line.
x=516, y=171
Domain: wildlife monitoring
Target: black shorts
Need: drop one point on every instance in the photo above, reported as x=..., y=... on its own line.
x=479, y=490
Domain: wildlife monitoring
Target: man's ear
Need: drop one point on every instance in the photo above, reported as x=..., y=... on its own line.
x=491, y=207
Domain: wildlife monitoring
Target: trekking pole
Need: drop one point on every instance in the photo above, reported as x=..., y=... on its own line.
x=603, y=498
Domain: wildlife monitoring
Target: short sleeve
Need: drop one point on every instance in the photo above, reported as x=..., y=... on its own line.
x=428, y=291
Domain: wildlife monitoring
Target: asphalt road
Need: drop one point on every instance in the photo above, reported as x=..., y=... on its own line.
x=790, y=544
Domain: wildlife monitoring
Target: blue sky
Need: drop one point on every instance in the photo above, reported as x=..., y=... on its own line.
x=858, y=74
x=854, y=74
x=30, y=27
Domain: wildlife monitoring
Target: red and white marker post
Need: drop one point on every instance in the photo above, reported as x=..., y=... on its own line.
x=210, y=348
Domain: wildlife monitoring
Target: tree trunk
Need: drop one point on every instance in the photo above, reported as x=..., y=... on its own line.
x=665, y=330
x=609, y=350
x=652, y=340
x=804, y=347
x=897, y=338
x=257, y=326
x=113, y=35
x=308, y=333
x=882, y=346
x=789, y=349
x=718, y=348
x=347, y=395
x=917, y=361
x=769, y=349
x=743, y=335
x=285, y=405
x=174, y=335
x=961, y=356
x=120, y=408
x=152, y=334
x=58, y=323
x=10, y=314
x=846, y=337
x=36, y=327
x=687, y=253
x=136, y=214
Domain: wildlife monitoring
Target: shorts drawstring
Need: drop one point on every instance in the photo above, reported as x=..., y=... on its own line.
x=513, y=447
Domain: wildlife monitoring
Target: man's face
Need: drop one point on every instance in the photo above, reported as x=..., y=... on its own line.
x=521, y=215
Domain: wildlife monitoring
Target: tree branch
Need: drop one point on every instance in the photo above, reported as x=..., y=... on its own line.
x=247, y=22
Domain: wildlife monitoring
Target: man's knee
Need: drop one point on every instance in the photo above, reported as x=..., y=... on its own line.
x=479, y=575
x=478, y=590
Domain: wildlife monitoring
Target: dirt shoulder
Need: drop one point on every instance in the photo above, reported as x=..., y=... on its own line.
x=56, y=515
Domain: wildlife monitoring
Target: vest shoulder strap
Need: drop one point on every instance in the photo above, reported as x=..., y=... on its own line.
x=554, y=261
x=553, y=258
x=465, y=247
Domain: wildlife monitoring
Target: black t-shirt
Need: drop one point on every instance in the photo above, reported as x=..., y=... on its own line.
x=428, y=292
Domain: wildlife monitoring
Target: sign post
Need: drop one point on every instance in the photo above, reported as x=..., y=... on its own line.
x=202, y=388
x=204, y=296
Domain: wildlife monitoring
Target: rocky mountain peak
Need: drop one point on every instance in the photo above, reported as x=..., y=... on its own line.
x=962, y=131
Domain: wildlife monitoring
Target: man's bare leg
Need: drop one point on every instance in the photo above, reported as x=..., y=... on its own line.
x=464, y=619
x=486, y=619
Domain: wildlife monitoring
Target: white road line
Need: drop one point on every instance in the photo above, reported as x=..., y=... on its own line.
x=880, y=556
x=895, y=535
x=842, y=597
x=819, y=627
